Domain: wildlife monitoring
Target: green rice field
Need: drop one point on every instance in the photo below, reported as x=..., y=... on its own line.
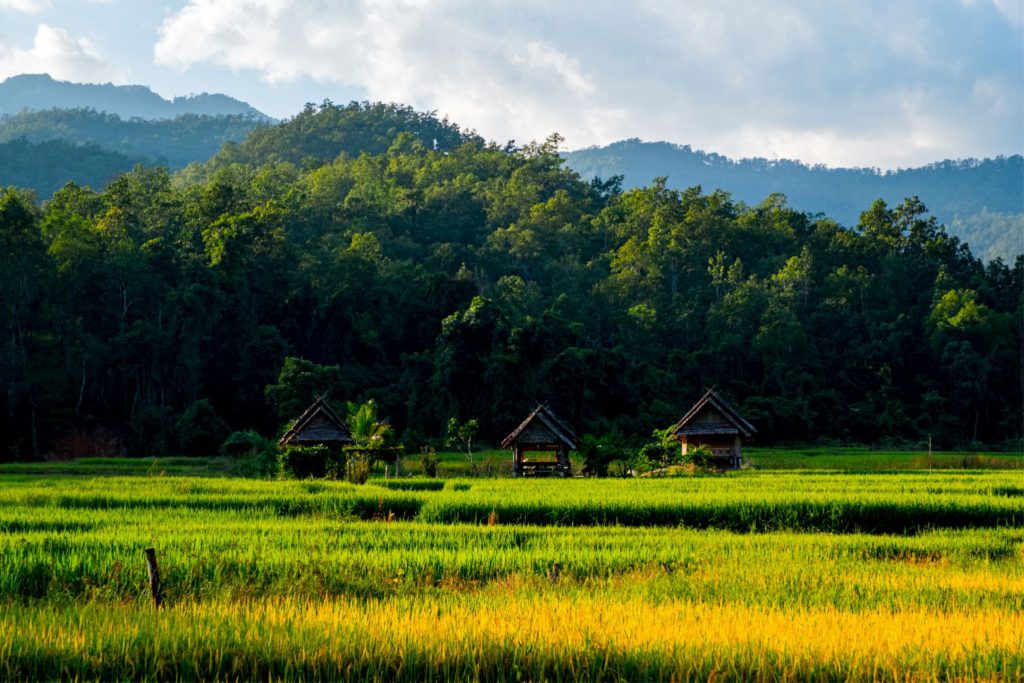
x=754, y=575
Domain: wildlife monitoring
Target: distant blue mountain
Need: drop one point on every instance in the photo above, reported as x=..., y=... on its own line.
x=36, y=92
x=979, y=200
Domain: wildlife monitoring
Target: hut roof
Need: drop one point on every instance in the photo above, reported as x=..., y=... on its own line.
x=542, y=417
x=712, y=414
x=319, y=424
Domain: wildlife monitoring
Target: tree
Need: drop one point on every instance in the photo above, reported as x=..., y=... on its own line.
x=460, y=437
x=661, y=452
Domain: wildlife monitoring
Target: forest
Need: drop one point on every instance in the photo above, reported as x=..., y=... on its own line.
x=375, y=252
x=174, y=143
x=979, y=200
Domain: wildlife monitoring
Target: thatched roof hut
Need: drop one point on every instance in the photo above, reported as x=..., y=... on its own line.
x=319, y=425
x=715, y=423
x=541, y=431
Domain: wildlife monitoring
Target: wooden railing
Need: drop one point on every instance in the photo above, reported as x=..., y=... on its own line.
x=541, y=469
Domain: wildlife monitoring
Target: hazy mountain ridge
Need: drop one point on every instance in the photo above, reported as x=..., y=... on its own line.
x=35, y=92
x=977, y=199
x=173, y=142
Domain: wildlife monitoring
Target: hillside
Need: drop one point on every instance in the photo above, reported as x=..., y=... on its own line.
x=173, y=142
x=36, y=92
x=979, y=200
x=320, y=133
x=445, y=277
x=47, y=166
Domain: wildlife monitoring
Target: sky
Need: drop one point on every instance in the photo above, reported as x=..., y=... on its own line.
x=871, y=83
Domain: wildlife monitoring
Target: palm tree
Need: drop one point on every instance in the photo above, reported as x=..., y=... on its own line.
x=364, y=426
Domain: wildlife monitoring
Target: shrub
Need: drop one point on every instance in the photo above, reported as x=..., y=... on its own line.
x=244, y=444
x=200, y=430
x=699, y=455
x=661, y=452
x=153, y=432
x=254, y=454
x=303, y=462
x=428, y=461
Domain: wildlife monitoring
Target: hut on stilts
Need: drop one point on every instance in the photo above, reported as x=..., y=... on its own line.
x=713, y=422
x=541, y=432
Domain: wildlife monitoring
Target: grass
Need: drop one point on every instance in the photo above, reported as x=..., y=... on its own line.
x=755, y=575
x=866, y=460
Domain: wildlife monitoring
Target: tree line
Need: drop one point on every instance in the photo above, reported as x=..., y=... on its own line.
x=375, y=252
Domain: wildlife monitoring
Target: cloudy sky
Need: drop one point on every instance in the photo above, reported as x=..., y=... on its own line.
x=887, y=83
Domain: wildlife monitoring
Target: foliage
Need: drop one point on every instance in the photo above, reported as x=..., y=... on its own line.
x=366, y=429
x=428, y=461
x=978, y=199
x=304, y=462
x=298, y=382
x=660, y=453
x=173, y=142
x=47, y=166
x=460, y=436
x=341, y=252
x=245, y=444
x=598, y=454
x=699, y=456
x=200, y=430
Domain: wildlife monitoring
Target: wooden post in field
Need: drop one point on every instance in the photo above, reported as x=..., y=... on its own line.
x=154, y=578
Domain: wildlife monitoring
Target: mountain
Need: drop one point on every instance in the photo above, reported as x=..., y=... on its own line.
x=173, y=142
x=320, y=133
x=981, y=201
x=36, y=92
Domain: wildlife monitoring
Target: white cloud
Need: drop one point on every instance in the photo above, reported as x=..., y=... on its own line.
x=869, y=83
x=1013, y=10
x=55, y=52
x=27, y=6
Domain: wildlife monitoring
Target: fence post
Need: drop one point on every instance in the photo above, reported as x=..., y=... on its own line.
x=154, y=578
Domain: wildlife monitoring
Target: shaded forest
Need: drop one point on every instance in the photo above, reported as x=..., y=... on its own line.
x=381, y=253
x=47, y=166
x=173, y=142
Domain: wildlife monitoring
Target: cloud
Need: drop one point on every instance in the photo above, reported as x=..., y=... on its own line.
x=27, y=6
x=871, y=83
x=55, y=52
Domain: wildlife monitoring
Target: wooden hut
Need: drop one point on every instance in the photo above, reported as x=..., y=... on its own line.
x=541, y=432
x=714, y=423
x=319, y=425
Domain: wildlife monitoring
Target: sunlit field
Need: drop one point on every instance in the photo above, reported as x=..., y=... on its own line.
x=784, y=575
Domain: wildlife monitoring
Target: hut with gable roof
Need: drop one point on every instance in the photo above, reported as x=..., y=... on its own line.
x=541, y=432
x=713, y=422
x=318, y=426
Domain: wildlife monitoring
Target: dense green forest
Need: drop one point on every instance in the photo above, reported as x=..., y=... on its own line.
x=980, y=200
x=173, y=142
x=47, y=166
x=444, y=276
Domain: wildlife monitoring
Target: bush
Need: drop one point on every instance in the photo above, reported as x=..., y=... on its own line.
x=255, y=455
x=303, y=462
x=358, y=469
x=428, y=461
x=661, y=452
x=200, y=430
x=153, y=432
x=699, y=455
x=244, y=444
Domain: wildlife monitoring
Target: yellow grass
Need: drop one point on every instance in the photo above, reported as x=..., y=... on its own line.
x=500, y=627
